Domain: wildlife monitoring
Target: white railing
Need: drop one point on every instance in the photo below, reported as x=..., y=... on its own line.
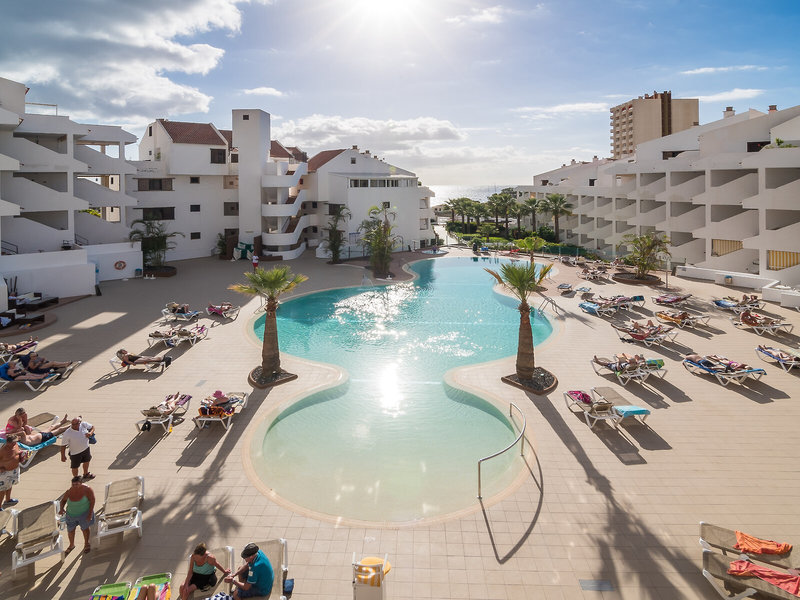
x=521, y=437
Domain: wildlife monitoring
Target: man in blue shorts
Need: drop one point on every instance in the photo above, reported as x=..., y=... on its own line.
x=255, y=577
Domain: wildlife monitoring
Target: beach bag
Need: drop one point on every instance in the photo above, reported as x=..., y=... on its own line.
x=93, y=439
x=288, y=588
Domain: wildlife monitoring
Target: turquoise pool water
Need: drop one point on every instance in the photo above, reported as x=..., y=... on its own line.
x=394, y=443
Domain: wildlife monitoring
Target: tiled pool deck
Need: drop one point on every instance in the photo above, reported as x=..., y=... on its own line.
x=620, y=506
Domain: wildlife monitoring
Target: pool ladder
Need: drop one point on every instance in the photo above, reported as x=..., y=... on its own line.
x=520, y=438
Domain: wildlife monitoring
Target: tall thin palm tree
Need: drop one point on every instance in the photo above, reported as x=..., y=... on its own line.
x=557, y=205
x=534, y=205
x=270, y=285
x=336, y=237
x=521, y=279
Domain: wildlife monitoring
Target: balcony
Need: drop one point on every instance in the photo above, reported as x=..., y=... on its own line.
x=8, y=119
x=692, y=252
x=731, y=193
x=585, y=228
x=650, y=218
x=291, y=208
x=97, y=195
x=683, y=192
x=780, y=198
x=287, y=180
x=603, y=233
x=36, y=158
x=291, y=235
x=8, y=164
x=624, y=213
x=601, y=210
x=688, y=221
x=650, y=191
x=783, y=238
x=101, y=164
x=34, y=197
x=738, y=227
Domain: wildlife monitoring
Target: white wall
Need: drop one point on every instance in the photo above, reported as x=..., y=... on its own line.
x=107, y=256
x=252, y=138
x=53, y=273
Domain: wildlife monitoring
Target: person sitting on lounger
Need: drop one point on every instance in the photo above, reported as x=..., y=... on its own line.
x=136, y=359
x=34, y=362
x=174, y=307
x=13, y=371
x=216, y=403
x=18, y=425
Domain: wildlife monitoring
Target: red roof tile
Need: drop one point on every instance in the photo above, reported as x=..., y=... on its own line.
x=192, y=133
x=228, y=135
x=277, y=150
x=321, y=158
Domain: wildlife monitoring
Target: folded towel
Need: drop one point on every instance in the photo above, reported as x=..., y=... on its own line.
x=788, y=583
x=754, y=545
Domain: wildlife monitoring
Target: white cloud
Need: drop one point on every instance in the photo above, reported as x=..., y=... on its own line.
x=734, y=94
x=550, y=112
x=318, y=132
x=263, y=91
x=492, y=15
x=114, y=63
x=710, y=70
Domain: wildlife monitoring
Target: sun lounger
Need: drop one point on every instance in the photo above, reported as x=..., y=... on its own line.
x=648, y=337
x=721, y=370
x=171, y=315
x=277, y=552
x=112, y=591
x=38, y=535
x=565, y=287
x=226, y=559
x=752, y=303
x=25, y=346
x=620, y=406
x=786, y=359
x=599, y=310
x=715, y=570
x=626, y=371
x=715, y=537
x=237, y=404
x=8, y=522
x=156, y=416
x=120, y=511
x=670, y=299
x=162, y=581
x=224, y=311
x=761, y=324
x=682, y=319
x=35, y=385
x=34, y=422
x=593, y=411
x=151, y=367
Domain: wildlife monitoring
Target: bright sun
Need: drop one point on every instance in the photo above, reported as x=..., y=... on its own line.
x=381, y=11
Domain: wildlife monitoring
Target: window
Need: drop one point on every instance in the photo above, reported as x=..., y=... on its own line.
x=194, y=208
x=230, y=183
x=234, y=158
x=423, y=223
x=313, y=205
x=354, y=183
x=314, y=229
x=218, y=156
x=111, y=180
x=150, y=130
x=230, y=209
x=352, y=160
x=166, y=213
x=245, y=117
x=393, y=183
x=232, y=233
x=195, y=235
x=194, y=180
x=756, y=146
x=592, y=182
x=386, y=205
x=155, y=185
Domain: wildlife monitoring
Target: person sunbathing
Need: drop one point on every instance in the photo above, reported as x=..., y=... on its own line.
x=220, y=307
x=730, y=365
x=136, y=359
x=705, y=361
x=33, y=362
x=13, y=371
x=18, y=347
x=174, y=307
x=168, y=404
x=777, y=353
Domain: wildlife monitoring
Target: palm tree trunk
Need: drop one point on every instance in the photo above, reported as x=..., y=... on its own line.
x=270, y=354
x=525, y=357
x=558, y=239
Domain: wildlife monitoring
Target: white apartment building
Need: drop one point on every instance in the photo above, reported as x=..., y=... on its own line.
x=724, y=193
x=203, y=181
x=52, y=169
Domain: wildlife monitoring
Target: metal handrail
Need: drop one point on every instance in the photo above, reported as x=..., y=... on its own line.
x=9, y=248
x=521, y=436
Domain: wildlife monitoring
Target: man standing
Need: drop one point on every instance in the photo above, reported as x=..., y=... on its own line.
x=10, y=457
x=255, y=262
x=76, y=438
x=254, y=577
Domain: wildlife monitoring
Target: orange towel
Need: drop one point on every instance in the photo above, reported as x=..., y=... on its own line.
x=788, y=583
x=754, y=545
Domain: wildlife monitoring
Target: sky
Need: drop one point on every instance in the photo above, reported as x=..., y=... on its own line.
x=462, y=92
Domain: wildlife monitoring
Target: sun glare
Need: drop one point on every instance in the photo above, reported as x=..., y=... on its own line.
x=381, y=11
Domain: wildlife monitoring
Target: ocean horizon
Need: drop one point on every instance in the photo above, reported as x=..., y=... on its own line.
x=479, y=193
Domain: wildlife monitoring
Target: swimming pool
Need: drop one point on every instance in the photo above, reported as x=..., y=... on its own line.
x=394, y=443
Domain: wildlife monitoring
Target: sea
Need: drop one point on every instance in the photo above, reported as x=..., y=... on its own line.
x=480, y=193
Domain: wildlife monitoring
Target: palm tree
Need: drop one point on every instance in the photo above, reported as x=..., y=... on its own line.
x=517, y=211
x=533, y=205
x=487, y=230
x=378, y=239
x=508, y=201
x=155, y=240
x=335, y=241
x=494, y=205
x=480, y=211
x=269, y=285
x=460, y=206
x=557, y=205
x=521, y=279
x=645, y=249
x=531, y=244
x=451, y=206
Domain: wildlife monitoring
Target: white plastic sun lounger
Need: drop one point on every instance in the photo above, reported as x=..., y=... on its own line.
x=121, y=512
x=38, y=535
x=240, y=403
